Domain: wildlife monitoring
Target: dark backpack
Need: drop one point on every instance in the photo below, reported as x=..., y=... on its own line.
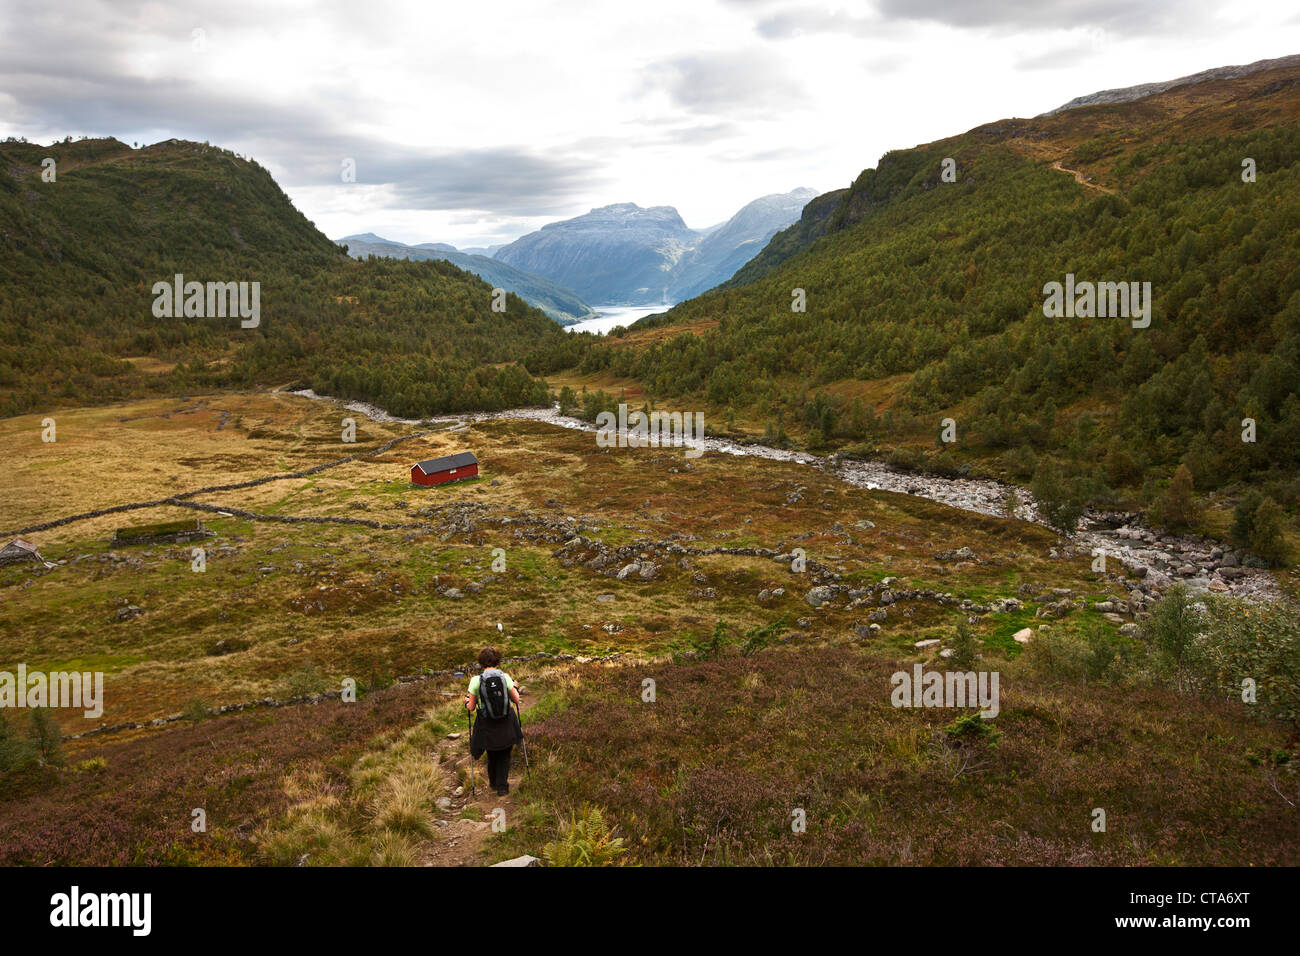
x=493, y=698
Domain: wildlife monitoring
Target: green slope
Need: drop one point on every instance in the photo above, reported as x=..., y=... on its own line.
x=79, y=257
x=561, y=304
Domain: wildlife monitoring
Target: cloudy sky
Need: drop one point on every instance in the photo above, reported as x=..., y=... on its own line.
x=473, y=123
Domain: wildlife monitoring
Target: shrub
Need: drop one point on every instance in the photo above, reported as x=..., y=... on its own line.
x=965, y=647
x=1243, y=518
x=1256, y=641
x=305, y=680
x=1061, y=499
x=1177, y=508
x=1267, y=534
x=1172, y=631
x=16, y=749
x=46, y=738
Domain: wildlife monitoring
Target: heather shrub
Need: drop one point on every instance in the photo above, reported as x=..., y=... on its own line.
x=736, y=749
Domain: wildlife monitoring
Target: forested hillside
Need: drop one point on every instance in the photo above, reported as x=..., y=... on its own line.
x=925, y=299
x=79, y=256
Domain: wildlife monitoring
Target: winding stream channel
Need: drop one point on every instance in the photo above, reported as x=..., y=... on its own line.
x=1159, y=559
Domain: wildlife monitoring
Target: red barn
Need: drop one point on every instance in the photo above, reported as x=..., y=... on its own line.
x=439, y=471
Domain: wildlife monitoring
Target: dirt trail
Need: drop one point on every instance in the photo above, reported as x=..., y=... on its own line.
x=1081, y=180
x=460, y=841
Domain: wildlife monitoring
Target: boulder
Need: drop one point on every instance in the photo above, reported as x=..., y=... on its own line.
x=819, y=596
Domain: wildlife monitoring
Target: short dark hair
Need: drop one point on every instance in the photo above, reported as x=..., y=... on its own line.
x=489, y=657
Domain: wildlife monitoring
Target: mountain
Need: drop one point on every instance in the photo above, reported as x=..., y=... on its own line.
x=725, y=248
x=929, y=300
x=559, y=303
x=811, y=225
x=615, y=255
x=626, y=255
x=80, y=320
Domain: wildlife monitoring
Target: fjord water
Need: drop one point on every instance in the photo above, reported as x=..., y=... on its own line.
x=613, y=315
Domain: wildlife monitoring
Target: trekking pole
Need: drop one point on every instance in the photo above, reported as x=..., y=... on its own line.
x=523, y=744
x=469, y=722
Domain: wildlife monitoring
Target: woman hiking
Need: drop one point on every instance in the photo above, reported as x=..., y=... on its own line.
x=497, y=729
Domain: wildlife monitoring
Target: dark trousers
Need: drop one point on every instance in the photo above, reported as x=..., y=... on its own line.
x=498, y=762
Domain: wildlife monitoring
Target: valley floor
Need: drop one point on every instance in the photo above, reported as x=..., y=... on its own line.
x=604, y=567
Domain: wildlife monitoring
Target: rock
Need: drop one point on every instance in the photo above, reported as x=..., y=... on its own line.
x=927, y=643
x=1055, y=610
x=820, y=595
x=628, y=569
x=1104, y=607
x=443, y=803
x=520, y=861
x=649, y=571
x=605, y=598
x=128, y=612
x=453, y=736
x=863, y=630
x=454, y=593
x=1129, y=630
x=1217, y=585
x=1023, y=635
x=880, y=615
x=947, y=652
x=865, y=525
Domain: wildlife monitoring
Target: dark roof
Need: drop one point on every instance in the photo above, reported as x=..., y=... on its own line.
x=435, y=465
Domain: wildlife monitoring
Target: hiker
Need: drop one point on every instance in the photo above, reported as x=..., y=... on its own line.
x=497, y=729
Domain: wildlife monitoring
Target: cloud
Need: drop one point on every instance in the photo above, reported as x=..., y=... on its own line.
x=1122, y=16
x=1057, y=58
x=729, y=83
x=792, y=23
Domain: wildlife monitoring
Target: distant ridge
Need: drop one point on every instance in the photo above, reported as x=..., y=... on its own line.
x=1129, y=93
x=561, y=304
